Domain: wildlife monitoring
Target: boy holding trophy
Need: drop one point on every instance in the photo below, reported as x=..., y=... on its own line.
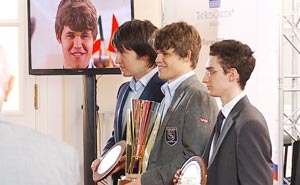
x=136, y=58
x=188, y=112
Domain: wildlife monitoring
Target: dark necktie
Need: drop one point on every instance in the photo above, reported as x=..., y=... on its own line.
x=220, y=119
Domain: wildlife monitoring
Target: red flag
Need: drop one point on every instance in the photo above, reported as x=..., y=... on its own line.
x=114, y=28
x=97, y=46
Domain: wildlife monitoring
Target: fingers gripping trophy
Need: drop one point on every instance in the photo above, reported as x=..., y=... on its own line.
x=143, y=120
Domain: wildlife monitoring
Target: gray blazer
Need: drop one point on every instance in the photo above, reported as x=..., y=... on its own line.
x=183, y=133
x=243, y=152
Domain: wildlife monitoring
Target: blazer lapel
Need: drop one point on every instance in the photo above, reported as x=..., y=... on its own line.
x=153, y=85
x=230, y=120
x=178, y=96
x=173, y=106
x=227, y=125
x=120, y=112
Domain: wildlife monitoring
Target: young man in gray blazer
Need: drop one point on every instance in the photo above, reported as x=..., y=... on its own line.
x=189, y=112
x=242, y=152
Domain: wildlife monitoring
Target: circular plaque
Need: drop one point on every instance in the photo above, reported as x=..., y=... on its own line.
x=109, y=161
x=194, y=171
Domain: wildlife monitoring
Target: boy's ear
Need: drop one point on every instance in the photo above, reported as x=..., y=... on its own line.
x=58, y=38
x=234, y=75
x=189, y=55
x=9, y=87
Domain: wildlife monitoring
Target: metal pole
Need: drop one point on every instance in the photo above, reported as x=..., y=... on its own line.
x=89, y=127
x=280, y=96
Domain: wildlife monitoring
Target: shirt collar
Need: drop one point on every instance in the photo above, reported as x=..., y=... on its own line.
x=91, y=65
x=229, y=106
x=143, y=81
x=172, y=86
x=147, y=77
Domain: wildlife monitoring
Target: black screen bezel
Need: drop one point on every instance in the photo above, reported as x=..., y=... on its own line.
x=89, y=71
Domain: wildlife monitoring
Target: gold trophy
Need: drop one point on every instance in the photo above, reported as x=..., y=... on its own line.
x=142, y=123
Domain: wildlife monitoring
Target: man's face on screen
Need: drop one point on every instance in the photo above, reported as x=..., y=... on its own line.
x=77, y=47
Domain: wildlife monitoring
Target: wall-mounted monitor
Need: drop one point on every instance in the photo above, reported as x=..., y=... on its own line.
x=74, y=48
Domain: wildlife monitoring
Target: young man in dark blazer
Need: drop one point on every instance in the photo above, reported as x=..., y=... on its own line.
x=136, y=58
x=241, y=154
x=189, y=112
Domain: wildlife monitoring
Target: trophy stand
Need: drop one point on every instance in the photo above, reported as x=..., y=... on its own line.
x=89, y=127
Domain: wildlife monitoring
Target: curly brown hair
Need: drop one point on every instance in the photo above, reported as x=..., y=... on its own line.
x=79, y=15
x=234, y=54
x=181, y=37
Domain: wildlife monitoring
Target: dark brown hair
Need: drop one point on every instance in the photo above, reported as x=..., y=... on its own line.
x=234, y=54
x=134, y=35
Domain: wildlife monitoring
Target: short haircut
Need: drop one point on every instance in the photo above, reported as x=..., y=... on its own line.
x=134, y=35
x=234, y=54
x=79, y=15
x=181, y=37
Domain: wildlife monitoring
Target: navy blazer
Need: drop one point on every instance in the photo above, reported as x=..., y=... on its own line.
x=151, y=92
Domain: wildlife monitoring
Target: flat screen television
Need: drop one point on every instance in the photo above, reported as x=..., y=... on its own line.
x=45, y=51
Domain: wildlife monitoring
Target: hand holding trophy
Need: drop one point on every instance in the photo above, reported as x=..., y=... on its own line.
x=142, y=123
